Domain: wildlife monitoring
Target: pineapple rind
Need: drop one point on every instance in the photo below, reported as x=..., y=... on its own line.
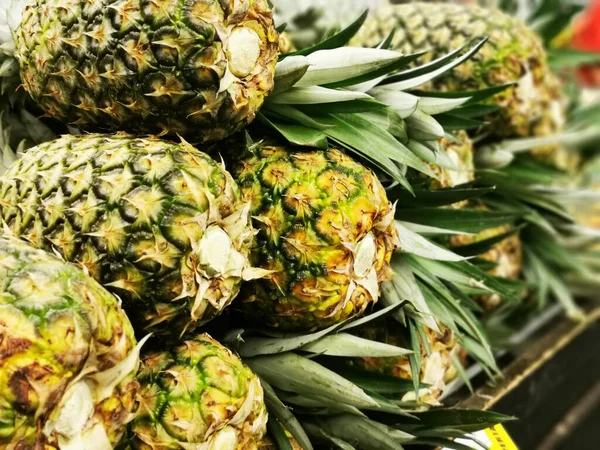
x=269, y=444
x=58, y=328
x=160, y=224
x=534, y=107
x=437, y=358
x=460, y=151
x=507, y=256
x=325, y=231
x=198, y=395
x=180, y=67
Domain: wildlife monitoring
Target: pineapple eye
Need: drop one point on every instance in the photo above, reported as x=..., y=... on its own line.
x=206, y=67
x=158, y=12
x=182, y=411
x=199, y=14
x=330, y=225
x=302, y=199
x=135, y=50
x=167, y=44
x=338, y=185
x=278, y=175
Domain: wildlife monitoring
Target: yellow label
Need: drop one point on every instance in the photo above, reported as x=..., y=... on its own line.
x=494, y=438
x=500, y=439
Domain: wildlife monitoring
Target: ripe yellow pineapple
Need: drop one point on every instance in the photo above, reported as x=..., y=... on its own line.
x=68, y=356
x=326, y=232
x=195, y=68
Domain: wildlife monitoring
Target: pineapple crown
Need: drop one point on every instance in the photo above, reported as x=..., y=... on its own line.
x=358, y=99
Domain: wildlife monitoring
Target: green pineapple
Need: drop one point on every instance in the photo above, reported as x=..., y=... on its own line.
x=326, y=232
x=160, y=224
x=196, y=68
x=198, y=395
x=438, y=356
x=69, y=355
x=514, y=53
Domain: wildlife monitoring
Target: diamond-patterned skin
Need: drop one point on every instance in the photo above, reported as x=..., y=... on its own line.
x=325, y=230
x=195, y=68
x=438, y=357
x=160, y=224
x=198, y=395
x=534, y=107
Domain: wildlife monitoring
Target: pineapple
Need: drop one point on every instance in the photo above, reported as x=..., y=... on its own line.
x=69, y=356
x=195, y=68
x=198, y=395
x=437, y=358
x=160, y=224
x=326, y=233
x=506, y=255
x=19, y=119
x=460, y=151
x=309, y=21
x=269, y=444
x=9, y=68
x=589, y=214
x=514, y=53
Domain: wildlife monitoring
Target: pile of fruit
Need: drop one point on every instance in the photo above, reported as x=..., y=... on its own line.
x=220, y=235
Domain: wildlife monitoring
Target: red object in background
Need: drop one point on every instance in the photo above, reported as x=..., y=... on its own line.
x=586, y=37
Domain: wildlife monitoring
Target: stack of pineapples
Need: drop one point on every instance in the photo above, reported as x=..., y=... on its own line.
x=316, y=211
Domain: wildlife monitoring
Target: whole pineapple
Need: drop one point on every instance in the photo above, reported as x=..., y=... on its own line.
x=198, y=395
x=196, y=68
x=514, y=53
x=326, y=232
x=68, y=355
x=160, y=224
x=437, y=358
